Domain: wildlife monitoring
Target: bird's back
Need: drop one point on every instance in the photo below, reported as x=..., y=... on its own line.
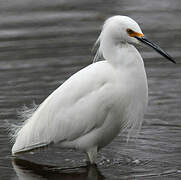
x=74, y=109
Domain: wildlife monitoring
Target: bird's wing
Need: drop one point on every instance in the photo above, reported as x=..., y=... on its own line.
x=76, y=107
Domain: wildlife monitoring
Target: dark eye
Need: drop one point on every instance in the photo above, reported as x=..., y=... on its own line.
x=129, y=31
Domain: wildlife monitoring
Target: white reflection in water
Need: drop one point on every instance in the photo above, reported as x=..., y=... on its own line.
x=26, y=170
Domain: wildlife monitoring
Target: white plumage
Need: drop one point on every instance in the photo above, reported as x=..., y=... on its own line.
x=92, y=106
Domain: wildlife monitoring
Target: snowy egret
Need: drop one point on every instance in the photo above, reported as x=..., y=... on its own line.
x=89, y=109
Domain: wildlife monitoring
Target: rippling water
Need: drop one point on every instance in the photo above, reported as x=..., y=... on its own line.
x=42, y=43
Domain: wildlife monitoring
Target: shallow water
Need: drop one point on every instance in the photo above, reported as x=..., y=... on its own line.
x=42, y=43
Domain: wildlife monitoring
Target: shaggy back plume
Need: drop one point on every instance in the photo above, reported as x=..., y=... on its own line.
x=24, y=114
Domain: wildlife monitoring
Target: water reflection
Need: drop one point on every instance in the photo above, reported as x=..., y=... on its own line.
x=26, y=170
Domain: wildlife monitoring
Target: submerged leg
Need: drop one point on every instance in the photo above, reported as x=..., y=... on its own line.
x=92, y=155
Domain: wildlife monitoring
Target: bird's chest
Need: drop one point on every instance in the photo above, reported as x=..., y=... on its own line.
x=130, y=92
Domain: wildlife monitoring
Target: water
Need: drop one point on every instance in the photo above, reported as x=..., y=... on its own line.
x=42, y=43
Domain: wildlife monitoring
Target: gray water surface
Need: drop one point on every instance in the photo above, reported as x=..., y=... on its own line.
x=42, y=43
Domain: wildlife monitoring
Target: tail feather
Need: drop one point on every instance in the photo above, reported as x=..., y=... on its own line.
x=24, y=135
x=30, y=148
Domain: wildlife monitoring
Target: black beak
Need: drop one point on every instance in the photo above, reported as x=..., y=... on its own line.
x=156, y=48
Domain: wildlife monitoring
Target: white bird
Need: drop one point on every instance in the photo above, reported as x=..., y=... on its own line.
x=91, y=108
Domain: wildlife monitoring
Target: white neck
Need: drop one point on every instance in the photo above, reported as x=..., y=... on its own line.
x=119, y=54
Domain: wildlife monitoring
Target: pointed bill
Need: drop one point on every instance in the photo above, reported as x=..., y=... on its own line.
x=155, y=47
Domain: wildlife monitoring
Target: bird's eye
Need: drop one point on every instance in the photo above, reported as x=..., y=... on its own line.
x=129, y=31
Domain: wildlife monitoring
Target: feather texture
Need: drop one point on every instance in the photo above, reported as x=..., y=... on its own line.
x=66, y=117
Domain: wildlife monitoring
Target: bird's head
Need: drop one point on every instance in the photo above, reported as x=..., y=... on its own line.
x=124, y=30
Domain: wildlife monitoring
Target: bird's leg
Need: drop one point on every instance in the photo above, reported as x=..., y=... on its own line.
x=92, y=155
